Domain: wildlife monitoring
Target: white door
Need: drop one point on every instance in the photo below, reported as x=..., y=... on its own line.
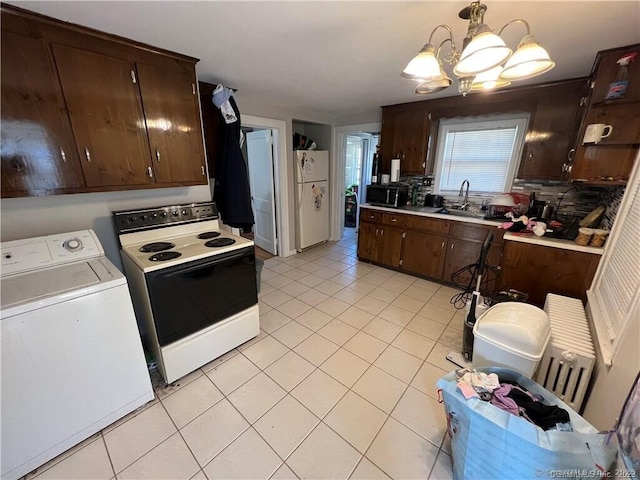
x=261, y=182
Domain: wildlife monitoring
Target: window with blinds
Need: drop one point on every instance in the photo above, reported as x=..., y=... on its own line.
x=614, y=296
x=484, y=151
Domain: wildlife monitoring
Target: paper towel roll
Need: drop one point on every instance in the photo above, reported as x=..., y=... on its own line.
x=395, y=169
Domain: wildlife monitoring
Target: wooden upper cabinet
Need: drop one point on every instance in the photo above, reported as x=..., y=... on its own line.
x=552, y=130
x=612, y=159
x=38, y=149
x=171, y=110
x=607, y=70
x=106, y=114
x=86, y=111
x=405, y=132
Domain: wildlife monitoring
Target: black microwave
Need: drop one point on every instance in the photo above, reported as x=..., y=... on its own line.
x=388, y=195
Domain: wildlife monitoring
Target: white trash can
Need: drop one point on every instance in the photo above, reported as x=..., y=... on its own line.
x=513, y=335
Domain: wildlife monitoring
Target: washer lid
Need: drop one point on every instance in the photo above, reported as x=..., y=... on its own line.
x=35, y=286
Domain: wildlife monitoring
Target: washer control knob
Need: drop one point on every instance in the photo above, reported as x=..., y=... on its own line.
x=73, y=244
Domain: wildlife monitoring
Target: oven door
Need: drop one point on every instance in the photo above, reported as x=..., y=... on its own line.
x=189, y=297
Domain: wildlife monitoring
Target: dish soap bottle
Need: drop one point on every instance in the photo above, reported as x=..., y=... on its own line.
x=618, y=89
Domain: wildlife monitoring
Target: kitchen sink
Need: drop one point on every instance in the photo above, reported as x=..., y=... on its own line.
x=462, y=213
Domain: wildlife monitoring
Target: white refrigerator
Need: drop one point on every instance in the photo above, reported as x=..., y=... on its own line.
x=312, y=197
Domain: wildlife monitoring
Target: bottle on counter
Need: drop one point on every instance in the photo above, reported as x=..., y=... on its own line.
x=375, y=167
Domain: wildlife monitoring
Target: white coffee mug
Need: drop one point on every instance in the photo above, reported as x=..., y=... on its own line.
x=385, y=179
x=596, y=132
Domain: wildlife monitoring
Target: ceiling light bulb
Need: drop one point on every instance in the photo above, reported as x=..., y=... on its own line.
x=434, y=85
x=489, y=80
x=529, y=60
x=423, y=66
x=485, y=51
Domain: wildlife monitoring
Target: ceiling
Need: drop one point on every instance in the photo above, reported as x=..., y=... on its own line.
x=343, y=58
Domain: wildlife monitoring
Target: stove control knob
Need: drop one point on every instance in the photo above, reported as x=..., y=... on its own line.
x=154, y=215
x=185, y=213
x=143, y=217
x=163, y=214
x=73, y=244
x=131, y=219
x=175, y=213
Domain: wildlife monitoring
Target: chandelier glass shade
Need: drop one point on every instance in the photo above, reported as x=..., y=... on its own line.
x=485, y=61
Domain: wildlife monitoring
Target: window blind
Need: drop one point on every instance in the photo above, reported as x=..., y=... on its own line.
x=615, y=292
x=485, y=152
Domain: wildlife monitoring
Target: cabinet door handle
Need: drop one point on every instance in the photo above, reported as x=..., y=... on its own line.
x=452, y=245
x=571, y=155
x=382, y=233
x=87, y=154
x=394, y=219
x=202, y=169
x=157, y=155
x=133, y=76
x=376, y=232
x=442, y=245
x=150, y=172
x=63, y=155
x=193, y=88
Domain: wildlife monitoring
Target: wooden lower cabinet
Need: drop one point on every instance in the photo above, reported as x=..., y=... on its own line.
x=380, y=243
x=368, y=241
x=428, y=247
x=424, y=253
x=538, y=270
x=464, y=248
x=390, y=245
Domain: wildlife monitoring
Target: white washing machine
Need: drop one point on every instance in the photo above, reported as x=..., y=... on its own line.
x=72, y=359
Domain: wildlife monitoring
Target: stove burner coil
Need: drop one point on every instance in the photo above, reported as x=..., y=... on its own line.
x=220, y=242
x=163, y=256
x=207, y=235
x=156, y=247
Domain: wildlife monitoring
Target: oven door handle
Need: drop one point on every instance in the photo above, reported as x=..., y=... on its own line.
x=205, y=262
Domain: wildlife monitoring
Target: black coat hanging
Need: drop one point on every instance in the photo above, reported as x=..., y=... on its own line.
x=232, y=191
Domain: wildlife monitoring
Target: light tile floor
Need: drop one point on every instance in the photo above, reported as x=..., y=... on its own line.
x=340, y=383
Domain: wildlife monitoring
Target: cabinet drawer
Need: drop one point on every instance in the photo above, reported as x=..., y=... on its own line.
x=475, y=232
x=394, y=219
x=370, y=216
x=428, y=224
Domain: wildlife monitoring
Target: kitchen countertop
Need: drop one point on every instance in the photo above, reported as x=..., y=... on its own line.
x=508, y=236
x=552, y=242
x=431, y=213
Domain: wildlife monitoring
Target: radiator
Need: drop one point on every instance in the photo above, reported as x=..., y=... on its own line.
x=567, y=364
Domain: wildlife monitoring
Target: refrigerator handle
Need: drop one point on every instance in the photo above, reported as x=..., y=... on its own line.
x=302, y=182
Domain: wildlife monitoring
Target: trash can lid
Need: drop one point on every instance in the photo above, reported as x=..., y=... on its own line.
x=516, y=327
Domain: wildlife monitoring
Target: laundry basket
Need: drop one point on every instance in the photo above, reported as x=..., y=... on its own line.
x=490, y=443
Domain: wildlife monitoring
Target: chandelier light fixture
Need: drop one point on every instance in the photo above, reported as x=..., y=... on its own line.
x=485, y=62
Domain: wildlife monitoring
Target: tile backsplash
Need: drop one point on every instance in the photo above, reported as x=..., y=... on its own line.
x=572, y=201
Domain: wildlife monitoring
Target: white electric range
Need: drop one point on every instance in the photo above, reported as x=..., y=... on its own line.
x=193, y=284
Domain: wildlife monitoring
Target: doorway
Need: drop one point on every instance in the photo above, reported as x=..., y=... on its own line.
x=354, y=147
x=263, y=149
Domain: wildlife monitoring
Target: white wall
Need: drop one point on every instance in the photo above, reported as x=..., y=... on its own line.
x=34, y=216
x=612, y=384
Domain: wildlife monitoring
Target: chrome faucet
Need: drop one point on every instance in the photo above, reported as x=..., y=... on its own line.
x=466, y=194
